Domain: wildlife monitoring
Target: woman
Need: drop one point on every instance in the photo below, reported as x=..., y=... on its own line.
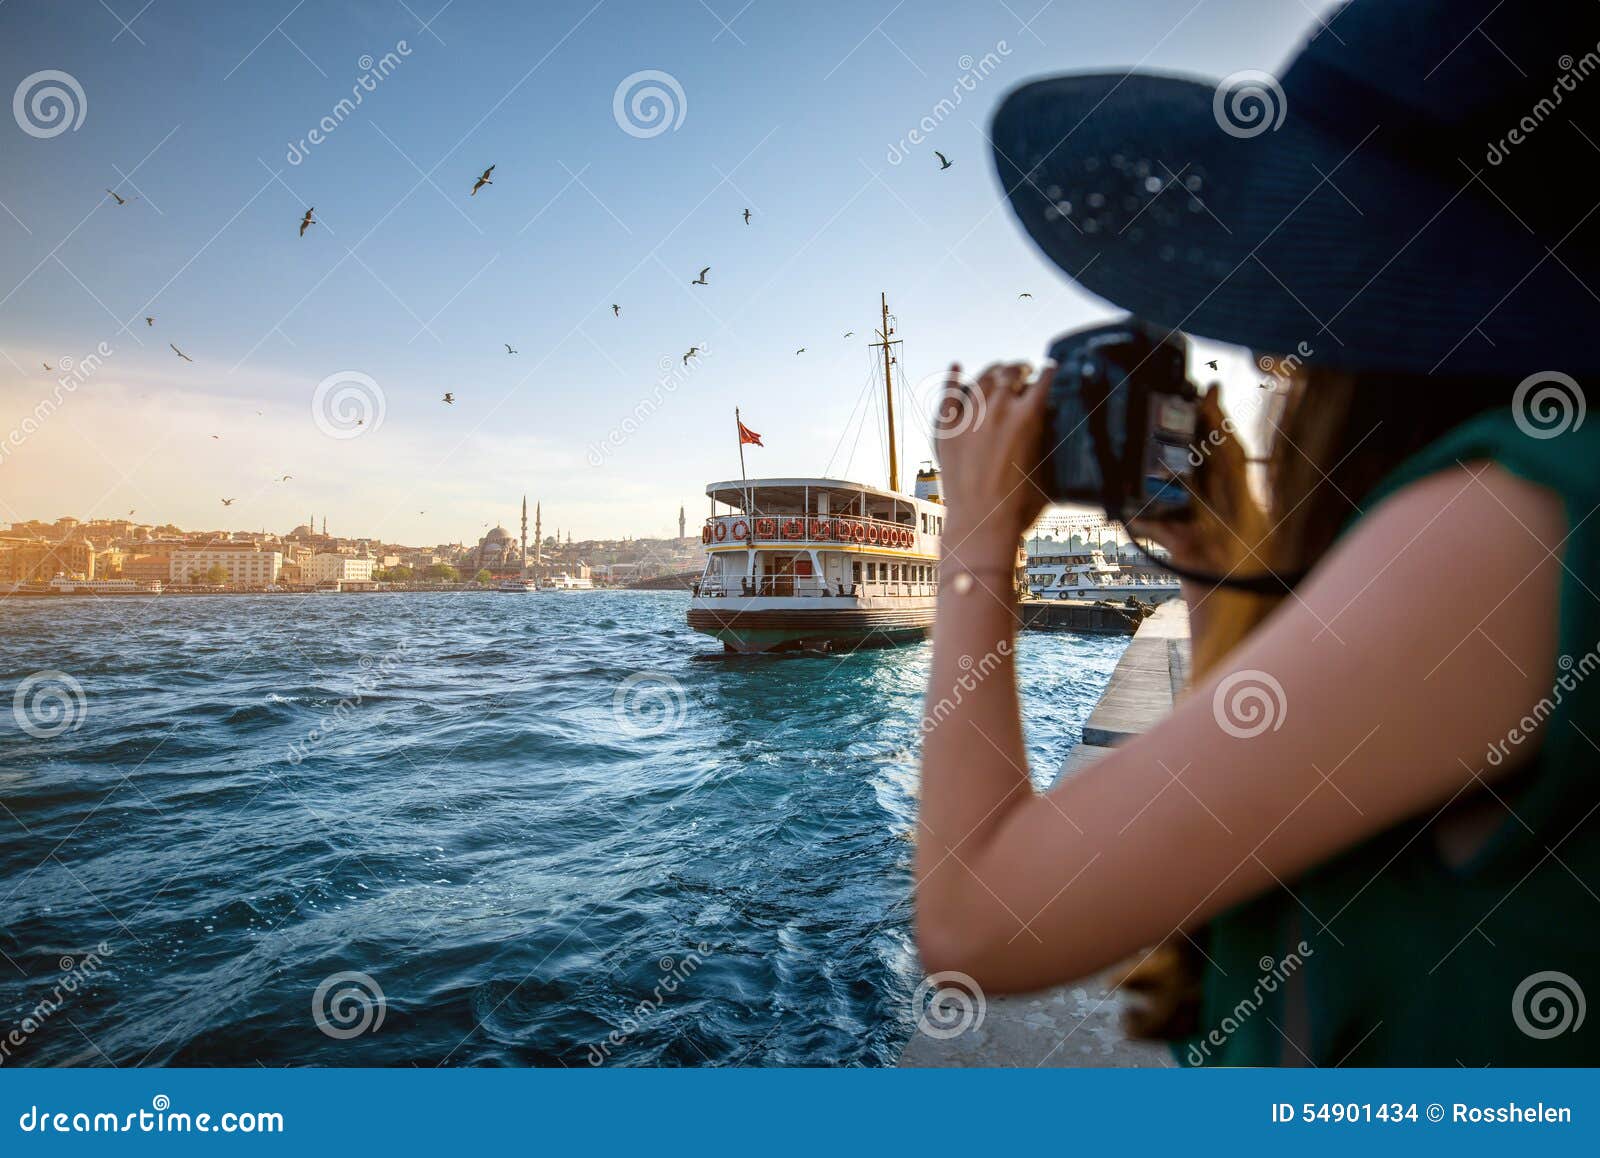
x=1400, y=866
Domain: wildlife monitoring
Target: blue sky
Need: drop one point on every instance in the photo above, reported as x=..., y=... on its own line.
x=789, y=110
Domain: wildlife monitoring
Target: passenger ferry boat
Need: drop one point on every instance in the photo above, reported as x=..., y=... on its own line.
x=1087, y=574
x=517, y=586
x=821, y=564
x=565, y=582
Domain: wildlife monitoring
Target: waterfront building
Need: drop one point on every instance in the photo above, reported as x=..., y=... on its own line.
x=246, y=564
x=329, y=567
x=33, y=560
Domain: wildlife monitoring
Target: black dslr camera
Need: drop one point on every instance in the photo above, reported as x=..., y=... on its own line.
x=1121, y=422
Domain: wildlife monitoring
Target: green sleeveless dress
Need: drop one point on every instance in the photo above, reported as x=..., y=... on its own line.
x=1421, y=963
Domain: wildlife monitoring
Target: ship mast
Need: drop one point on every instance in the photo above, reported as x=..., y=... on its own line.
x=888, y=389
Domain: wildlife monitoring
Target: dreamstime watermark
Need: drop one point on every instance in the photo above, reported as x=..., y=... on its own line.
x=1548, y=1004
x=674, y=373
x=649, y=703
x=76, y=973
x=48, y=103
x=372, y=671
x=348, y=1004
x=48, y=703
x=347, y=404
x=1281, y=372
x=71, y=374
x=948, y=1005
x=1249, y=703
x=973, y=673
x=372, y=73
x=1548, y=404
x=675, y=971
x=1574, y=672
x=1273, y=974
x=1249, y=103
x=973, y=73
x=1572, y=71
x=950, y=412
x=648, y=103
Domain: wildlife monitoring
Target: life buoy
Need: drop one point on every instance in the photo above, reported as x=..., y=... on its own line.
x=816, y=528
x=793, y=528
x=766, y=528
x=910, y=538
x=841, y=530
x=722, y=531
x=741, y=530
x=874, y=534
x=705, y=534
x=858, y=532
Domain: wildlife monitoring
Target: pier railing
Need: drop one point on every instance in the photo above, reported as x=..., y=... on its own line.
x=803, y=531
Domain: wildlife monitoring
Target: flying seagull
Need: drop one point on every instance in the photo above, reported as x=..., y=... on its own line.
x=227, y=502
x=800, y=351
x=701, y=280
x=120, y=200
x=217, y=437
x=1212, y=365
x=149, y=321
x=130, y=512
x=849, y=333
x=449, y=399
x=46, y=366
x=180, y=353
x=616, y=310
x=1023, y=295
x=693, y=350
x=507, y=345
x=307, y=221
x=944, y=162
x=286, y=478
x=482, y=181
x=747, y=217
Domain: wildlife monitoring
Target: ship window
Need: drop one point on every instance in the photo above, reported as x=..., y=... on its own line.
x=855, y=572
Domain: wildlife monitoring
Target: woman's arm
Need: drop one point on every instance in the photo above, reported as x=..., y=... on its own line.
x=1419, y=642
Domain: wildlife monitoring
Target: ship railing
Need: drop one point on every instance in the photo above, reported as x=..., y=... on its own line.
x=809, y=530
x=781, y=586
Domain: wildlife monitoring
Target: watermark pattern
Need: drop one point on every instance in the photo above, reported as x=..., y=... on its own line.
x=1572, y=71
x=372, y=670
x=1248, y=103
x=348, y=1004
x=73, y=373
x=648, y=103
x=950, y=412
x=1574, y=672
x=1548, y=1004
x=48, y=103
x=49, y=703
x=1249, y=703
x=674, y=373
x=675, y=971
x=649, y=703
x=973, y=72
x=973, y=673
x=949, y=1004
x=1548, y=404
x=348, y=404
x=1273, y=974
x=75, y=975
x=372, y=73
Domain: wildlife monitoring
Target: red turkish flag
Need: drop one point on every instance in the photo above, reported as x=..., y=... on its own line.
x=746, y=435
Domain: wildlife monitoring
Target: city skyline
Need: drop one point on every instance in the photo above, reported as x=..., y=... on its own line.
x=198, y=118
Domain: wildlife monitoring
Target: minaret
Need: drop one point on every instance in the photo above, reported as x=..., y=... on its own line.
x=538, y=533
x=524, y=536
x=681, y=523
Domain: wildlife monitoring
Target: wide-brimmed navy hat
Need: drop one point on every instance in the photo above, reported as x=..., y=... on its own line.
x=1415, y=192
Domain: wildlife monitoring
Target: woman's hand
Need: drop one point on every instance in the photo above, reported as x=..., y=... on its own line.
x=1227, y=523
x=989, y=442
